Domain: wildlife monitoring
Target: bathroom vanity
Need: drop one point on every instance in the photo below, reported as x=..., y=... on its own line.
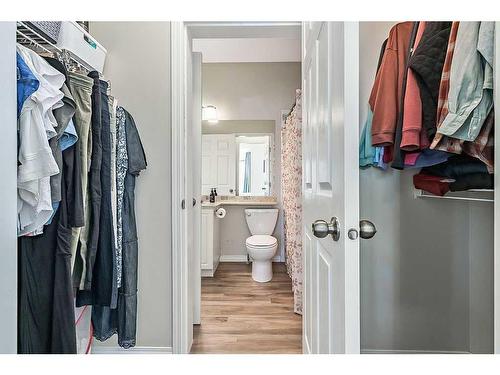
x=210, y=239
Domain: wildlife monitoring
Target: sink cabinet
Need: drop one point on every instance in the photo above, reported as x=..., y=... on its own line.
x=210, y=241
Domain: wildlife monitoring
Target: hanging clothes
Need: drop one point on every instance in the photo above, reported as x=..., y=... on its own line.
x=291, y=193
x=440, y=104
x=387, y=88
x=440, y=141
x=27, y=83
x=81, y=89
x=36, y=162
x=46, y=305
x=412, y=115
x=78, y=159
x=369, y=155
x=65, y=136
x=113, y=104
x=482, y=147
x=100, y=262
x=90, y=232
x=427, y=63
x=470, y=96
x=131, y=160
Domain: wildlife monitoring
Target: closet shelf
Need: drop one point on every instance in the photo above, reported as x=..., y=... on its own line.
x=473, y=195
x=29, y=37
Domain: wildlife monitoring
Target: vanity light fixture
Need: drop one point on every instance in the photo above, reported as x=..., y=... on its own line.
x=209, y=113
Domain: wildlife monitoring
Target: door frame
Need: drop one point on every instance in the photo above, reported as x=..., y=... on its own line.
x=180, y=256
x=181, y=33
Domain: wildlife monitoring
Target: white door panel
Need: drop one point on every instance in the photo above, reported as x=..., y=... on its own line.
x=223, y=166
x=219, y=163
x=308, y=292
x=197, y=185
x=325, y=299
x=330, y=186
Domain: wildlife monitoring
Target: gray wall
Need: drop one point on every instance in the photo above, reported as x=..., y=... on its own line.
x=138, y=66
x=8, y=190
x=481, y=229
x=250, y=91
x=239, y=126
x=234, y=232
x=426, y=277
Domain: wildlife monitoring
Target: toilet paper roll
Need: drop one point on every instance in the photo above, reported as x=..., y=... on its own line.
x=220, y=213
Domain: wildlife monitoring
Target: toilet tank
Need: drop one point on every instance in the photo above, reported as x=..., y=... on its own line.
x=261, y=220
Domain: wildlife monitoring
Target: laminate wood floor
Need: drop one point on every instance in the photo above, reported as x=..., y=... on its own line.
x=239, y=315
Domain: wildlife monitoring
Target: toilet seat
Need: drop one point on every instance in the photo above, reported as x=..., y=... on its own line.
x=261, y=241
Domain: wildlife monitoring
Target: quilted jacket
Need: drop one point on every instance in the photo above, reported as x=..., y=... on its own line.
x=427, y=64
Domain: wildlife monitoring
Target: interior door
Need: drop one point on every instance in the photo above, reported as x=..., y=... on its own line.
x=219, y=163
x=196, y=183
x=189, y=157
x=330, y=187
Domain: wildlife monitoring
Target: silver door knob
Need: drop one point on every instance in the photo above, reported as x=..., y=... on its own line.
x=366, y=229
x=321, y=228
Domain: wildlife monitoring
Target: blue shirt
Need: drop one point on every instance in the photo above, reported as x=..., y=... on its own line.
x=27, y=83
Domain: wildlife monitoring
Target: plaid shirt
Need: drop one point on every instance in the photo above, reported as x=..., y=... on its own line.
x=482, y=147
x=440, y=141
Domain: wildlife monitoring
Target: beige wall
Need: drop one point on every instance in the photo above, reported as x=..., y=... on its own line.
x=239, y=126
x=251, y=91
x=138, y=66
x=234, y=232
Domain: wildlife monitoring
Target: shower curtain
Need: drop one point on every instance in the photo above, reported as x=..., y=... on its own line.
x=247, y=182
x=291, y=193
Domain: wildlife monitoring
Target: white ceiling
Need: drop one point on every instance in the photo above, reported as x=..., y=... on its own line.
x=231, y=50
x=214, y=30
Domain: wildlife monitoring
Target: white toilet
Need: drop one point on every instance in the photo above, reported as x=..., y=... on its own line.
x=261, y=246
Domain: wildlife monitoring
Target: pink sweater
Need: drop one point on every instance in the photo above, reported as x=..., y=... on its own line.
x=412, y=114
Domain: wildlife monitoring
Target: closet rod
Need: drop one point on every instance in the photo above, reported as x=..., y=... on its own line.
x=422, y=194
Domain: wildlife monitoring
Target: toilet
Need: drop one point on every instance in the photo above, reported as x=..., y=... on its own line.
x=261, y=246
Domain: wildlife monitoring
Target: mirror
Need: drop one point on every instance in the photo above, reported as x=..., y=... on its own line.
x=253, y=165
x=238, y=158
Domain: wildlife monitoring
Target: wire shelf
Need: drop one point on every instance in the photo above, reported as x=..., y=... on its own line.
x=473, y=195
x=31, y=38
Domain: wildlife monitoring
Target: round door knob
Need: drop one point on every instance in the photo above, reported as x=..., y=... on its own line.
x=352, y=234
x=321, y=228
x=367, y=229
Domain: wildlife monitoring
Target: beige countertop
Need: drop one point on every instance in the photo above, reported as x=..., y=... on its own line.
x=242, y=201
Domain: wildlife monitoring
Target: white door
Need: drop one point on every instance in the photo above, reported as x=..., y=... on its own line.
x=219, y=163
x=196, y=183
x=330, y=186
x=190, y=142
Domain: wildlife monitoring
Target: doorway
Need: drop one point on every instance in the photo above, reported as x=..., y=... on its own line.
x=243, y=91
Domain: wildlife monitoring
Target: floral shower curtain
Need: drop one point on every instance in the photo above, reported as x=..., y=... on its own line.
x=291, y=193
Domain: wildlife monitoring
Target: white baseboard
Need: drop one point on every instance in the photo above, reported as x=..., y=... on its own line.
x=233, y=258
x=241, y=258
x=386, y=351
x=134, y=350
x=207, y=273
